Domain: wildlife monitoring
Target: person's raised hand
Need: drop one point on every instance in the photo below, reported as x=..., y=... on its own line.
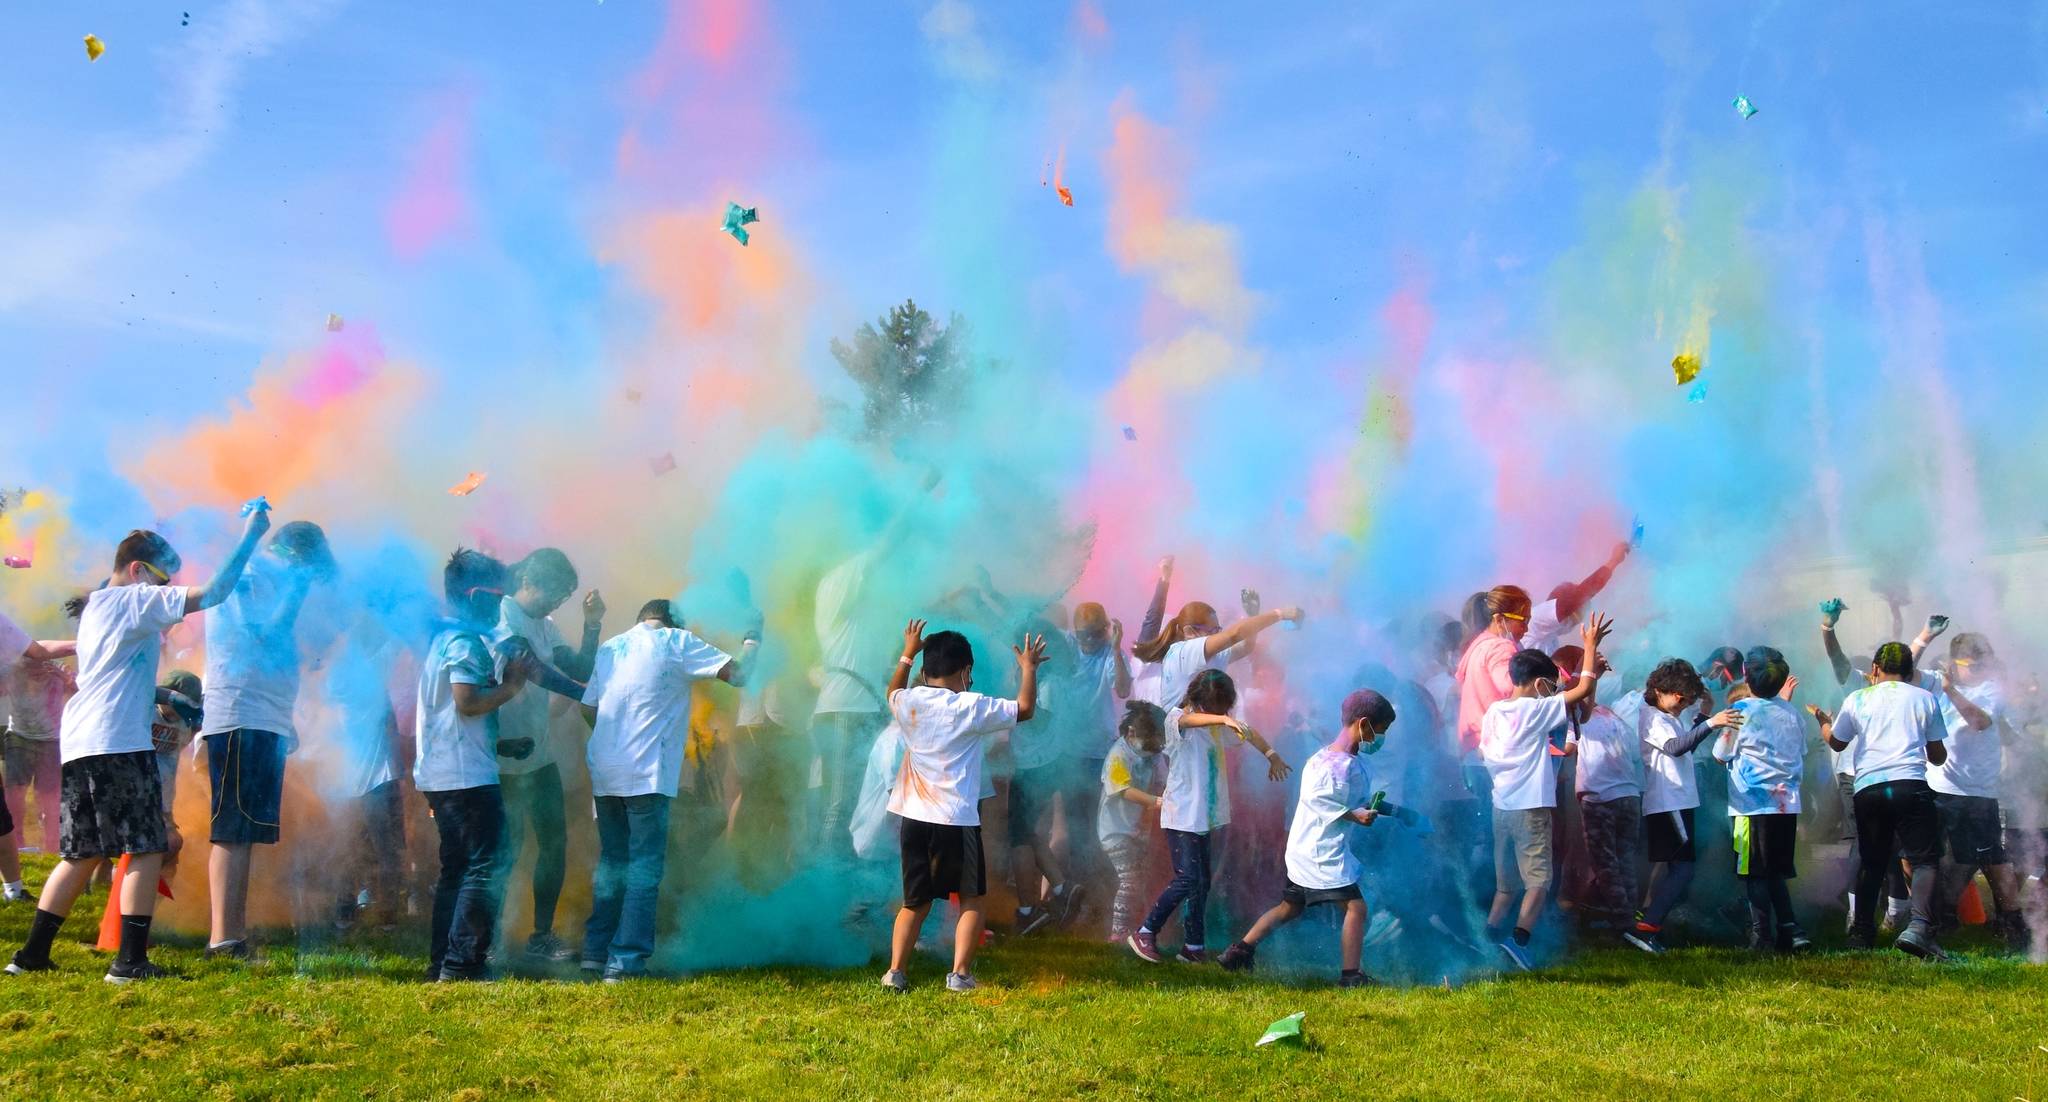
x=1292, y=613
x=1936, y=625
x=593, y=606
x=913, y=637
x=1249, y=598
x=1166, y=566
x=1831, y=613
x=1791, y=686
x=1032, y=654
x=1116, y=635
x=1594, y=631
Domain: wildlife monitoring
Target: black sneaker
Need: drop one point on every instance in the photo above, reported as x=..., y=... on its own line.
x=1356, y=979
x=1065, y=898
x=1030, y=920
x=1236, y=958
x=1860, y=940
x=1920, y=944
x=119, y=973
x=238, y=949
x=23, y=965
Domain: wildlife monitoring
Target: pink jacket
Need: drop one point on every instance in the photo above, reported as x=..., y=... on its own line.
x=1482, y=679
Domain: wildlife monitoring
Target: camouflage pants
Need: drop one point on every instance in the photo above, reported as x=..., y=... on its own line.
x=1614, y=840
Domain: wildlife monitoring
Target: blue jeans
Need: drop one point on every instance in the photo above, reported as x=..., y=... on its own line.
x=1190, y=884
x=465, y=910
x=632, y=848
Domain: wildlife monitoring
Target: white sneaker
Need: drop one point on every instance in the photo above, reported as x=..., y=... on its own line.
x=1897, y=913
x=896, y=980
x=960, y=981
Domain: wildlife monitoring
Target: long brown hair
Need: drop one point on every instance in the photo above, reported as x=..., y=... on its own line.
x=1154, y=649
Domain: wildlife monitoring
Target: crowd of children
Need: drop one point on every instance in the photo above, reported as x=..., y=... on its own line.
x=1098, y=754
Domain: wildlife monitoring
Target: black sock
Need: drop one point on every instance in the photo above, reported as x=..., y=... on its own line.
x=1521, y=936
x=134, y=940
x=42, y=933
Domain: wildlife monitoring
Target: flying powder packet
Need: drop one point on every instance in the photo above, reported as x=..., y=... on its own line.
x=256, y=504
x=1698, y=394
x=737, y=216
x=662, y=464
x=1066, y=196
x=334, y=323
x=468, y=485
x=94, y=47
x=1685, y=367
x=1743, y=107
x=1130, y=433
x=16, y=562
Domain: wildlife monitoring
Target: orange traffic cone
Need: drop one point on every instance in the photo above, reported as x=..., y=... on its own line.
x=110, y=921
x=1970, y=906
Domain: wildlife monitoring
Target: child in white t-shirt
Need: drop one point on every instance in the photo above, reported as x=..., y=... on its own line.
x=1128, y=776
x=1671, y=795
x=1196, y=808
x=113, y=794
x=456, y=765
x=1321, y=867
x=1608, y=784
x=1766, y=757
x=1967, y=785
x=1516, y=737
x=946, y=731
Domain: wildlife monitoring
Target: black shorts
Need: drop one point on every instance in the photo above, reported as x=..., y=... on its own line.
x=112, y=804
x=1308, y=897
x=1668, y=835
x=1031, y=793
x=941, y=860
x=1765, y=845
x=1971, y=826
x=6, y=818
x=247, y=769
x=1897, y=819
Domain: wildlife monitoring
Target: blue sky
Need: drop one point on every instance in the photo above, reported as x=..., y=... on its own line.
x=195, y=202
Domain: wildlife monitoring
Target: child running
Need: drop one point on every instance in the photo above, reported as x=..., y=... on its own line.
x=113, y=797
x=1321, y=867
x=1893, y=730
x=946, y=731
x=1515, y=742
x=1196, y=806
x=1766, y=757
x=1671, y=795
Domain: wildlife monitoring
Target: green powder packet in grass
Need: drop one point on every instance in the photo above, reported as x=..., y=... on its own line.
x=1287, y=1029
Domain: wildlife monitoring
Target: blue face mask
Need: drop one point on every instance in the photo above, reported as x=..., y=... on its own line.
x=1372, y=744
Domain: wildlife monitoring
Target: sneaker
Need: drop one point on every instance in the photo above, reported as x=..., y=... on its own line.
x=120, y=973
x=1920, y=944
x=446, y=976
x=1236, y=958
x=1145, y=946
x=589, y=965
x=17, y=896
x=548, y=946
x=1194, y=955
x=238, y=949
x=1792, y=939
x=1517, y=954
x=1897, y=914
x=1356, y=979
x=960, y=981
x=895, y=980
x=1032, y=919
x=22, y=966
x=1860, y=940
x=2017, y=938
x=1065, y=898
x=1647, y=941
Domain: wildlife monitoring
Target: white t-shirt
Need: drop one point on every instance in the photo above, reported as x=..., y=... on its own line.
x=1145, y=682
x=1669, y=783
x=872, y=820
x=1768, y=759
x=1545, y=631
x=526, y=714
x=355, y=688
x=120, y=638
x=846, y=657
x=1319, y=839
x=1514, y=742
x=640, y=686
x=1183, y=661
x=1975, y=758
x=455, y=751
x=1610, y=758
x=1197, y=796
x=252, y=672
x=13, y=643
x=1887, y=727
x=945, y=736
x=1125, y=767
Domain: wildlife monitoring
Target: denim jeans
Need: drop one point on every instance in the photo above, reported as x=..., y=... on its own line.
x=471, y=821
x=1190, y=884
x=534, y=798
x=632, y=848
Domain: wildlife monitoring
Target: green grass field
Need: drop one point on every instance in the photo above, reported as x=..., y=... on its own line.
x=1054, y=1019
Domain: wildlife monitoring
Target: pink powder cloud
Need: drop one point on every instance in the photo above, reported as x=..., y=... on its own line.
x=433, y=206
